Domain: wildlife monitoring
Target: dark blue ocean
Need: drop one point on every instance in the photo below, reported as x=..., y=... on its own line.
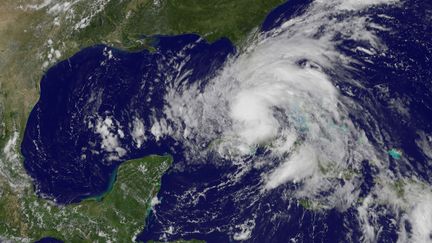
x=63, y=154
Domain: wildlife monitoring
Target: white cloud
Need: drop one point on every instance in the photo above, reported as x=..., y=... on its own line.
x=138, y=132
x=110, y=138
x=9, y=149
x=299, y=166
x=160, y=129
x=245, y=230
x=421, y=219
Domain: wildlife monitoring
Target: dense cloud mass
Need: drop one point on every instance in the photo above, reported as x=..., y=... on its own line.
x=282, y=95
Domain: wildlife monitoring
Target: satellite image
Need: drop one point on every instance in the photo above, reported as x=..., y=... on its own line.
x=192, y=121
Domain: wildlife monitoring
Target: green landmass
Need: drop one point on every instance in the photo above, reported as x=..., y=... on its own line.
x=125, y=22
x=399, y=187
x=117, y=217
x=306, y=203
x=311, y=205
x=331, y=170
x=36, y=34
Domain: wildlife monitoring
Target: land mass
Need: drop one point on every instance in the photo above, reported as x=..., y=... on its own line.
x=116, y=217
